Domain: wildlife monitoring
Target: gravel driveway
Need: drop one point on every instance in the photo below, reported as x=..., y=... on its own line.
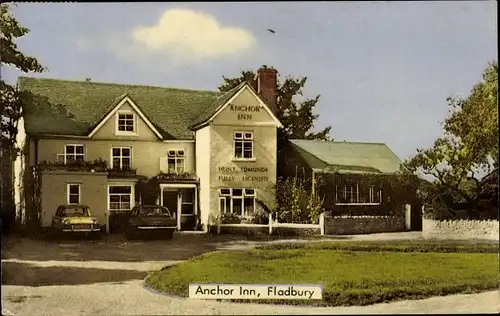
x=105, y=278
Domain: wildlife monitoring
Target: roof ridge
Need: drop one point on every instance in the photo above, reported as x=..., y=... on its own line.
x=338, y=142
x=222, y=96
x=117, y=84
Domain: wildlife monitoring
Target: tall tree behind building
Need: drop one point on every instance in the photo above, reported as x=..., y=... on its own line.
x=296, y=116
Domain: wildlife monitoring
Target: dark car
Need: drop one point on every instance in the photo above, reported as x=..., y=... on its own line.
x=150, y=220
x=75, y=219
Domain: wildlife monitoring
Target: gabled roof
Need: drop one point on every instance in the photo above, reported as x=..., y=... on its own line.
x=347, y=157
x=62, y=107
x=218, y=104
x=115, y=106
x=223, y=101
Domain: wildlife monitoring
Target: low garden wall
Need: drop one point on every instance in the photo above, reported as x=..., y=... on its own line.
x=264, y=231
x=460, y=229
x=246, y=231
x=351, y=225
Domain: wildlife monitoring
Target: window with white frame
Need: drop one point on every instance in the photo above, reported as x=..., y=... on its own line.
x=73, y=193
x=176, y=160
x=358, y=194
x=237, y=201
x=187, y=201
x=120, y=197
x=121, y=157
x=243, y=145
x=73, y=153
x=126, y=122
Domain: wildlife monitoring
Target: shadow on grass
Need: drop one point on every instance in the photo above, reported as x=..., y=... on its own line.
x=29, y=275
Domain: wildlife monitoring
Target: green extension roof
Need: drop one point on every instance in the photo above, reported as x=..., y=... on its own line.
x=347, y=157
x=63, y=107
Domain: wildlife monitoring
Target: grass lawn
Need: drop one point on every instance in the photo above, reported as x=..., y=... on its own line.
x=351, y=273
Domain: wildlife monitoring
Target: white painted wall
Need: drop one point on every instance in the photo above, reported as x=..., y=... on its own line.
x=460, y=229
x=202, y=154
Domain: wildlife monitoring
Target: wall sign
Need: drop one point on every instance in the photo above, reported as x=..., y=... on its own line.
x=245, y=111
x=233, y=173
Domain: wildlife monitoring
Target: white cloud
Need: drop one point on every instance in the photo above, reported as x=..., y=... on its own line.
x=187, y=34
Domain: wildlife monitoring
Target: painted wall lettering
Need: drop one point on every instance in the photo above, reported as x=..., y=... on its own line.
x=226, y=178
x=227, y=169
x=244, y=174
x=245, y=108
x=244, y=117
x=255, y=178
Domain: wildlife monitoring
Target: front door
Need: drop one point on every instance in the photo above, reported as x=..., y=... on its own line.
x=170, y=201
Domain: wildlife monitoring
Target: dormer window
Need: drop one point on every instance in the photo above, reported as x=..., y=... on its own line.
x=126, y=123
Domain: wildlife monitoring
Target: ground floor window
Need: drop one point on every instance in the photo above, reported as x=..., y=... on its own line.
x=120, y=197
x=73, y=193
x=358, y=194
x=237, y=201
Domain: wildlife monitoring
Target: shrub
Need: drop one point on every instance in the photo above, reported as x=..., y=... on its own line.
x=260, y=217
x=230, y=218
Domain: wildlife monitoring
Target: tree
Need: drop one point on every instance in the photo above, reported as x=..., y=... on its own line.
x=297, y=117
x=468, y=148
x=11, y=97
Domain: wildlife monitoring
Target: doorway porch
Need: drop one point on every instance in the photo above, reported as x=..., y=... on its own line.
x=182, y=202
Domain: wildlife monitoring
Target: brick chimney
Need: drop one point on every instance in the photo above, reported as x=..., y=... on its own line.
x=267, y=83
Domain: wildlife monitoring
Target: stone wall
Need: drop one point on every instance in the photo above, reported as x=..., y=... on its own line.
x=246, y=231
x=351, y=225
x=460, y=229
x=287, y=231
x=264, y=231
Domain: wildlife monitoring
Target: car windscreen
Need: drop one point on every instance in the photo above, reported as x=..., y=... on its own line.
x=154, y=211
x=75, y=211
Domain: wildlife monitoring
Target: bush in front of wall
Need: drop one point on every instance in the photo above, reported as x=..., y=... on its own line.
x=260, y=217
x=230, y=218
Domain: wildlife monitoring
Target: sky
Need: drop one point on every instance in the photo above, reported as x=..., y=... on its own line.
x=383, y=69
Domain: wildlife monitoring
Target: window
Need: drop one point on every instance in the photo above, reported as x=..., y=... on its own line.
x=176, y=159
x=73, y=153
x=237, y=201
x=120, y=197
x=358, y=194
x=243, y=145
x=126, y=122
x=121, y=157
x=187, y=202
x=73, y=192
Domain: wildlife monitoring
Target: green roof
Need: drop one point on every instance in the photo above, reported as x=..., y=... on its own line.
x=347, y=157
x=63, y=107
